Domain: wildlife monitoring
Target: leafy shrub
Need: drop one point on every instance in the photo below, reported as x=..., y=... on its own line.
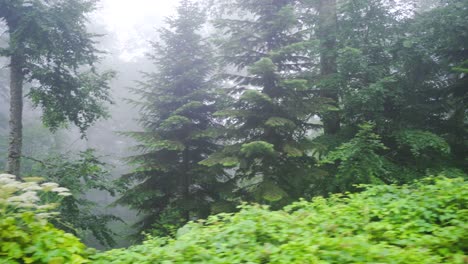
x=422, y=223
x=80, y=174
x=358, y=160
x=25, y=233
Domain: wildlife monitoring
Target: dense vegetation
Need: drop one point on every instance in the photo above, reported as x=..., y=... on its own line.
x=299, y=106
x=425, y=222
x=250, y=106
x=26, y=236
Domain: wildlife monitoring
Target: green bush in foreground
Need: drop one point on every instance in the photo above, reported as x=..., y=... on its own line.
x=421, y=223
x=26, y=236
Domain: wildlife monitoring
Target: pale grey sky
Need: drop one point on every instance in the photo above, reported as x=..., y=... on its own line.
x=134, y=22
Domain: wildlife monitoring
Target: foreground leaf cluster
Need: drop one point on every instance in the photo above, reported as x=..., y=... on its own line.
x=26, y=236
x=421, y=223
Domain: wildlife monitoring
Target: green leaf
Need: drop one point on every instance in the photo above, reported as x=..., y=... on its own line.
x=292, y=151
x=280, y=122
x=253, y=96
x=258, y=149
x=264, y=66
x=175, y=122
x=420, y=141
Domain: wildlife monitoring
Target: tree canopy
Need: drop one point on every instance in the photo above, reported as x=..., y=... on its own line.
x=50, y=48
x=266, y=131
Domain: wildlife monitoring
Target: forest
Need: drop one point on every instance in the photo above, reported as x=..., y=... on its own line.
x=233, y=131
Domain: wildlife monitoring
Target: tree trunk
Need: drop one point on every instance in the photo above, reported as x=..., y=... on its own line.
x=16, y=115
x=186, y=181
x=327, y=31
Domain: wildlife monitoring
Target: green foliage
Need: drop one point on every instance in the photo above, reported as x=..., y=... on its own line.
x=169, y=186
x=263, y=67
x=396, y=70
x=279, y=122
x=272, y=100
x=255, y=97
x=57, y=56
x=400, y=71
x=26, y=236
x=420, y=223
x=80, y=175
x=220, y=158
x=257, y=149
x=79, y=104
x=420, y=142
x=359, y=159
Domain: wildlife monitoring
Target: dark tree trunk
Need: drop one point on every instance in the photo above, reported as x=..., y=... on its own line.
x=16, y=115
x=186, y=181
x=328, y=68
x=16, y=97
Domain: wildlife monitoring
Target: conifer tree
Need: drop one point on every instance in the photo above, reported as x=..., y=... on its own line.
x=169, y=187
x=273, y=100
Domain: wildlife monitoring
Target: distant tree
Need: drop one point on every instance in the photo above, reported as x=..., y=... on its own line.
x=169, y=186
x=50, y=48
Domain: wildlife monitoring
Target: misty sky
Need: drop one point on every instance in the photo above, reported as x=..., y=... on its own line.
x=133, y=22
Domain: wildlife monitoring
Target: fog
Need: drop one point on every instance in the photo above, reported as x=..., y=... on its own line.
x=132, y=23
x=127, y=28
x=364, y=84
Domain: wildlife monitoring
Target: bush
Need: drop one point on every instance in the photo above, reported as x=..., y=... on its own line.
x=26, y=236
x=422, y=223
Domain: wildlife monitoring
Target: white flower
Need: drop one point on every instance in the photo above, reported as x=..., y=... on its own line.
x=26, y=198
x=49, y=186
x=46, y=207
x=7, y=179
x=60, y=190
x=64, y=194
x=7, y=176
x=43, y=215
x=14, y=186
x=32, y=187
x=27, y=205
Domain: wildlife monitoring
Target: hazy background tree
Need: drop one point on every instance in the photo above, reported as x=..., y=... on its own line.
x=49, y=47
x=178, y=101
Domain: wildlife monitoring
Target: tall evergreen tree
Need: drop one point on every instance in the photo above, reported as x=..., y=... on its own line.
x=440, y=36
x=169, y=186
x=398, y=70
x=367, y=33
x=49, y=48
x=327, y=34
x=273, y=102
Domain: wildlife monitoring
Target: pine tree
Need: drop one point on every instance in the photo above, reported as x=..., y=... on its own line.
x=439, y=37
x=273, y=102
x=169, y=187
